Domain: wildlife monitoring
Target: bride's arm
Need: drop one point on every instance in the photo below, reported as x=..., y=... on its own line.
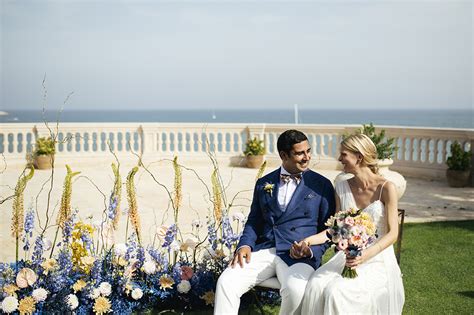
x=390, y=200
x=321, y=237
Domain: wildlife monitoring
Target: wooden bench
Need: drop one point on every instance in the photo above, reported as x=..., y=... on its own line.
x=274, y=284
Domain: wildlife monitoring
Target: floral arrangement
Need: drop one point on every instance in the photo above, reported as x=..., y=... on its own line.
x=352, y=230
x=83, y=270
x=122, y=278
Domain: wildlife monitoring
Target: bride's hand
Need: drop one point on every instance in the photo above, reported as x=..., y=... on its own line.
x=353, y=262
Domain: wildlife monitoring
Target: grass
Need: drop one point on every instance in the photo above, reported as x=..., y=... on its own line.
x=438, y=268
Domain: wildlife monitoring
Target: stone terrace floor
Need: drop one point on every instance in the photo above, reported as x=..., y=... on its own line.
x=424, y=200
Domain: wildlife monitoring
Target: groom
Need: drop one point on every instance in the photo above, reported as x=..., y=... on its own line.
x=288, y=205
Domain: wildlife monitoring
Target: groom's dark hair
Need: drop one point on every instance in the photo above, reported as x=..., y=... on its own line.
x=288, y=138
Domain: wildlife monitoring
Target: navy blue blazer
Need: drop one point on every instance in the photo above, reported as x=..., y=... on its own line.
x=309, y=208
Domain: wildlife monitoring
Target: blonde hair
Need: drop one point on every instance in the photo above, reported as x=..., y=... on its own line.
x=360, y=143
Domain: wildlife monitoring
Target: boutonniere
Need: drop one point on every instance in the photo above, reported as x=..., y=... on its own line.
x=269, y=188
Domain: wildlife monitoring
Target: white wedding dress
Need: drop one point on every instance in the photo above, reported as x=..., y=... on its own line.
x=378, y=289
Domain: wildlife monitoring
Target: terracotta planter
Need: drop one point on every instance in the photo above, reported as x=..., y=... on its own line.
x=254, y=161
x=43, y=162
x=458, y=178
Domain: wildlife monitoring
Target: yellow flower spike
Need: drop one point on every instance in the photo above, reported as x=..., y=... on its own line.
x=132, y=203
x=217, y=193
x=65, y=209
x=117, y=194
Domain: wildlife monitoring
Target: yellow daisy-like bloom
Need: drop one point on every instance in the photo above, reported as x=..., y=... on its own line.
x=102, y=305
x=49, y=265
x=208, y=297
x=27, y=305
x=79, y=285
x=121, y=261
x=10, y=289
x=166, y=282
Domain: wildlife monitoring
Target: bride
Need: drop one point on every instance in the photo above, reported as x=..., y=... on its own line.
x=378, y=289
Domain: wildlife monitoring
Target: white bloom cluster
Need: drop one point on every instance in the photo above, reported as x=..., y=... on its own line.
x=105, y=288
x=9, y=304
x=149, y=267
x=184, y=286
x=39, y=295
x=137, y=293
x=72, y=301
x=120, y=249
x=95, y=293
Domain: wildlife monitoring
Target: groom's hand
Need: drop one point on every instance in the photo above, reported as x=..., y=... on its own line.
x=243, y=253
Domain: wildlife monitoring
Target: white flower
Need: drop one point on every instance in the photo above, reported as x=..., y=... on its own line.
x=72, y=301
x=105, y=288
x=47, y=244
x=39, y=294
x=9, y=304
x=95, y=293
x=175, y=246
x=149, y=267
x=137, y=293
x=239, y=216
x=120, y=249
x=184, y=286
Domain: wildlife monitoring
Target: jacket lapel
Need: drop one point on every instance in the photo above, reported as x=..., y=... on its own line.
x=298, y=196
x=272, y=200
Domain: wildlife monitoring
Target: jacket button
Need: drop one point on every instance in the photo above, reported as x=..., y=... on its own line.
x=292, y=229
x=306, y=213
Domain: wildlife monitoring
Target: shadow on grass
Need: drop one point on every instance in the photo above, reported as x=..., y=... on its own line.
x=469, y=294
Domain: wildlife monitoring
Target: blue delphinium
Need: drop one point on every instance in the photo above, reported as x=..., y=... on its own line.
x=29, y=226
x=37, y=256
x=112, y=206
x=228, y=235
x=212, y=235
x=170, y=236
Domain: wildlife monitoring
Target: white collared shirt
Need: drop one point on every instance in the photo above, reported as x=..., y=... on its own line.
x=285, y=190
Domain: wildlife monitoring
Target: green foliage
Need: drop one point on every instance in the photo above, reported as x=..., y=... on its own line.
x=45, y=146
x=254, y=147
x=385, y=146
x=459, y=160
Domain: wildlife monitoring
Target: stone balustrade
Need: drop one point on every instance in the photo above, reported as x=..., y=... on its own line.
x=421, y=152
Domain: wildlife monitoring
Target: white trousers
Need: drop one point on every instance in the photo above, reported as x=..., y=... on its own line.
x=264, y=264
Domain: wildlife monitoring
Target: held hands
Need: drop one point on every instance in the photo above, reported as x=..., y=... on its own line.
x=300, y=250
x=353, y=262
x=239, y=256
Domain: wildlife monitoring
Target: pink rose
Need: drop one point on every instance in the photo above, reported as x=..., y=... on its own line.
x=342, y=244
x=349, y=221
x=186, y=272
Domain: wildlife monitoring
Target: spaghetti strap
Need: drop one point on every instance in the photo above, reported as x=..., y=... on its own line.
x=381, y=189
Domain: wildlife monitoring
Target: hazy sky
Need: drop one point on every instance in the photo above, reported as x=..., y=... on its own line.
x=237, y=54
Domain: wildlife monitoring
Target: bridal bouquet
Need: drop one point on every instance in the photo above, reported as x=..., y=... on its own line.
x=352, y=230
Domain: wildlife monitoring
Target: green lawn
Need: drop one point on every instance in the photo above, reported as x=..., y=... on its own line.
x=438, y=267
x=437, y=263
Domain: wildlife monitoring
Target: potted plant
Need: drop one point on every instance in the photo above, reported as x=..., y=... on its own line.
x=459, y=166
x=254, y=152
x=45, y=149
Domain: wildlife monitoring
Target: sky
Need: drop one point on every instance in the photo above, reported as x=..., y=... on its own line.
x=124, y=55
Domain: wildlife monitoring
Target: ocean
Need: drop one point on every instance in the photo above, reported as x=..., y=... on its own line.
x=420, y=118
